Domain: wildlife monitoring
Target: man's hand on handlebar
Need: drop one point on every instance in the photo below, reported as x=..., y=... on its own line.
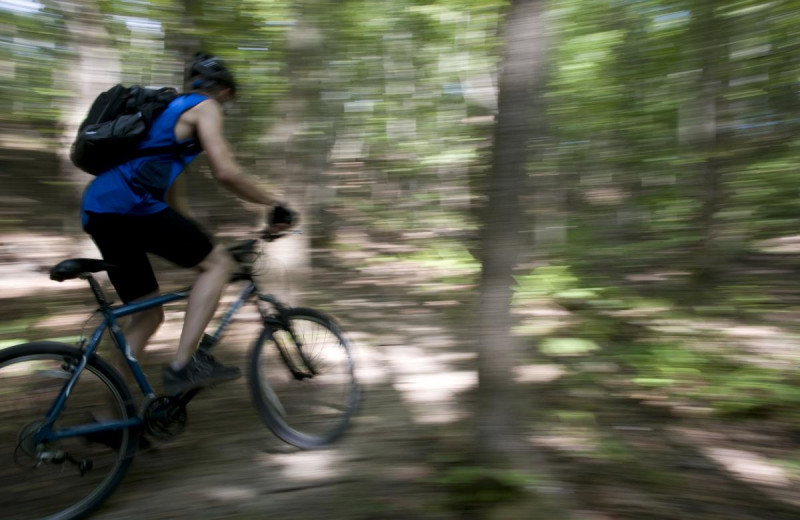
x=280, y=220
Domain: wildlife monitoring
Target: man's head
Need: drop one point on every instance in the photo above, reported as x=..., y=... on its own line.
x=209, y=75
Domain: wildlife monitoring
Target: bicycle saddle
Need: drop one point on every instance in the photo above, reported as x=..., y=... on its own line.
x=74, y=267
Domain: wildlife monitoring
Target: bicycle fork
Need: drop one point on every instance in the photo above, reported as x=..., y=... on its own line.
x=281, y=322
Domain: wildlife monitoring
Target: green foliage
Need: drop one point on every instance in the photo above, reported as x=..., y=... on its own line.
x=5, y=343
x=448, y=257
x=710, y=378
x=471, y=487
x=547, y=281
x=567, y=346
x=793, y=465
x=665, y=146
x=31, y=51
x=751, y=392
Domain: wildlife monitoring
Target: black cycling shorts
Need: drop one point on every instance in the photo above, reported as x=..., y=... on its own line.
x=125, y=240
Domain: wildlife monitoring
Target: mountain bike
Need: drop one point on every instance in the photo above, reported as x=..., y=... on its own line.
x=69, y=424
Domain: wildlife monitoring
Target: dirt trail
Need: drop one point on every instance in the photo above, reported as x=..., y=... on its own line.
x=227, y=464
x=417, y=373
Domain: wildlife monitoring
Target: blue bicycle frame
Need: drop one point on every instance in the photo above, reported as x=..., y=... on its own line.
x=110, y=316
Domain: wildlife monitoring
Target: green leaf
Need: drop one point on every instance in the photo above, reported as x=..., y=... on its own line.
x=567, y=346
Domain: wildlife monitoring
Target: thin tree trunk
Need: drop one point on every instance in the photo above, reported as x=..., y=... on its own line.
x=96, y=68
x=306, y=153
x=524, y=57
x=184, y=42
x=708, y=33
x=499, y=439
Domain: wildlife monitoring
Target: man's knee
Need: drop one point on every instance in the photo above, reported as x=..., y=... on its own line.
x=219, y=259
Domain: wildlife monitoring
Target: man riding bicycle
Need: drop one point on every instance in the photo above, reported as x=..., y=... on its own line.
x=134, y=209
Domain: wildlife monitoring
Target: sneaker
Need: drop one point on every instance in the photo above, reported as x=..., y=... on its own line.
x=202, y=370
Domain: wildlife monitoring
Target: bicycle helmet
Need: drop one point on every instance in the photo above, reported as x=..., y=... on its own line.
x=212, y=72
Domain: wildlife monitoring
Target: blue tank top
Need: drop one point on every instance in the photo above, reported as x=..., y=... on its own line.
x=139, y=186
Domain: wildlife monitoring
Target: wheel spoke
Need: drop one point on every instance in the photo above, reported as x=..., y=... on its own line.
x=42, y=483
x=312, y=411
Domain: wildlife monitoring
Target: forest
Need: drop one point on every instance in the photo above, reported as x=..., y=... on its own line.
x=561, y=236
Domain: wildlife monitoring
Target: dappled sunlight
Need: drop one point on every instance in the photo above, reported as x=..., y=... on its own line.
x=750, y=456
x=452, y=358
x=789, y=244
x=638, y=197
x=760, y=340
x=436, y=388
x=543, y=312
x=411, y=360
x=429, y=384
x=233, y=494
x=22, y=280
x=415, y=275
x=435, y=341
x=757, y=345
x=538, y=373
x=27, y=259
x=660, y=276
x=539, y=318
x=60, y=321
x=307, y=466
x=767, y=341
x=749, y=331
x=571, y=441
x=369, y=368
x=749, y=466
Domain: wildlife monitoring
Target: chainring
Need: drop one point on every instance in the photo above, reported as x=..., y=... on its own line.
x=165, y=417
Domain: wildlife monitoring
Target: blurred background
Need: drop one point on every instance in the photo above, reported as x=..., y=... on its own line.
x=643, y=364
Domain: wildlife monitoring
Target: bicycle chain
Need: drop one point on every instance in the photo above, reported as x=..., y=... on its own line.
x=165, y=417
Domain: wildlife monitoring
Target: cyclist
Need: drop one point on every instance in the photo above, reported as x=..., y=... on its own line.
x=137, y=208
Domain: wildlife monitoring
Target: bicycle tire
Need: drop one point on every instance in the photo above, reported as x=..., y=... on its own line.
x=281, y=398
x=39, y=370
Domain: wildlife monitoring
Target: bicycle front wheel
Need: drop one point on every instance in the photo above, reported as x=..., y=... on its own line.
x=68, y=478
x=303, y=379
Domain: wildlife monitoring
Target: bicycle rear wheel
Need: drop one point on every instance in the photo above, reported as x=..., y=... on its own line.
x=303, y=379
x=68, y=478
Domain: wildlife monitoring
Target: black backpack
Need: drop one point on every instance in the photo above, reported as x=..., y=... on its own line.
x=118, y=121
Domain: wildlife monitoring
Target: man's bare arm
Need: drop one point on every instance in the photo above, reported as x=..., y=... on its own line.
x=224, y=167
x=176, y=197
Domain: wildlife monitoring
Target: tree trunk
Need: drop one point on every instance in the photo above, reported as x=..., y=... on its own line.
x=709, y=41
x=523, y=62
x=182, y=40
x=499, y=441
x=95, y=68
x=305, y=134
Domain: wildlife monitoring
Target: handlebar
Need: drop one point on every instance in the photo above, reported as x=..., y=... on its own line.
x=243, y=251
x=271, y=237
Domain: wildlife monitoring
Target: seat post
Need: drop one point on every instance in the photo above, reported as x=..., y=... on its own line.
x=98, y=293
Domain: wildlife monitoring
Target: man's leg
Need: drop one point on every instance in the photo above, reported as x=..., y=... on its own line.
x=142, y=326
x=215, y=272
x=173, y=237
x=138, y=329
x=119, y=240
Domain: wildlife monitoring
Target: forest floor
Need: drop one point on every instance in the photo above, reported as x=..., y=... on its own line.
x=621, y=452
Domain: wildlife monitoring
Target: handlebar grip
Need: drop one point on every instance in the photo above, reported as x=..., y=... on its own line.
x=281, y=214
